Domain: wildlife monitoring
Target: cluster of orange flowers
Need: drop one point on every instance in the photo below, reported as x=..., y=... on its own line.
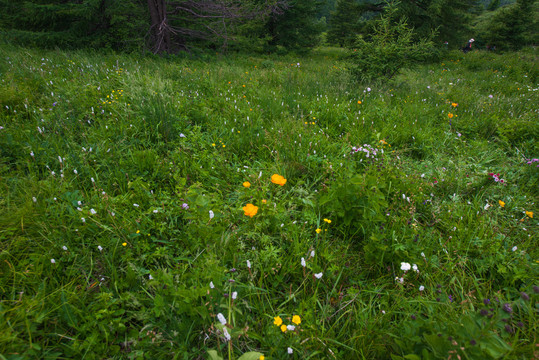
x=250, y=209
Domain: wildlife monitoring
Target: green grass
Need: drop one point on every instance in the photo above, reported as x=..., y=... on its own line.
x=150, y=147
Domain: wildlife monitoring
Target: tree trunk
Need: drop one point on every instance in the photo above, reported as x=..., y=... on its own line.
x=159, y=30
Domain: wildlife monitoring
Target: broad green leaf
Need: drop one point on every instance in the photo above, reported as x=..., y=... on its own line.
x=213, y=355
x=412, y=357
x=251, y=355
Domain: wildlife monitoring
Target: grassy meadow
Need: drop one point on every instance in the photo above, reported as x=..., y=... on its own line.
x=244, y=207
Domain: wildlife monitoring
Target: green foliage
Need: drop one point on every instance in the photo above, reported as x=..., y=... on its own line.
x=118, y=25
x=493, y=5
x=448, y=20
x=344, y=23
x=298, y=29
x=390, y=48
x=510, y=27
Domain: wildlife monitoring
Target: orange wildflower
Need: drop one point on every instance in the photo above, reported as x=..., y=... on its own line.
x=278, y=179
x=250, y=210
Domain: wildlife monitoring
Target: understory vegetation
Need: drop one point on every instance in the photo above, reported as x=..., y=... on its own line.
x=265, y=207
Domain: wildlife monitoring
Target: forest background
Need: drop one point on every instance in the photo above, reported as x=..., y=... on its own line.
x=164, y=26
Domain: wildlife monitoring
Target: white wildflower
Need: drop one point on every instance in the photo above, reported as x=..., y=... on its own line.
x=234, y=295
x=290, y=350
x=248, y=264
x=64, y=247
x=100, y=248
x=136, y=205
x=421, y=288
x=290, y=327
x=303, y=262
x=405, y=266
x=53, y=261
x=93, y=212
x=318, y=276
x=211, y=214
x=221, y=318
x=226, y=334
x=514, y=249
x=211, y=285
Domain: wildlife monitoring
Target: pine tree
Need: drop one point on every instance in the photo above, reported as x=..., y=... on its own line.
x=390, y=48
x=494, y=4
x=91, y=23
x=297, y=28
x=510, y=27
x=344, y=23
x=451, y=19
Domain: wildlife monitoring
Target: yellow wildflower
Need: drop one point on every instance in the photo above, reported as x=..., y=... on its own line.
x=247, y=184
x=296, y=319
x=283, y=328
x=502, y=204
x=328, y=221
x=530, y=214
x=450, y=115
x=318, y=231
x=277, y=320
x=261, y=357
x=124, y=244
x=454, y=104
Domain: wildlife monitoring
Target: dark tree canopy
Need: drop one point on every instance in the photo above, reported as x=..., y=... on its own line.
x=165, y=26
x=450, y=19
